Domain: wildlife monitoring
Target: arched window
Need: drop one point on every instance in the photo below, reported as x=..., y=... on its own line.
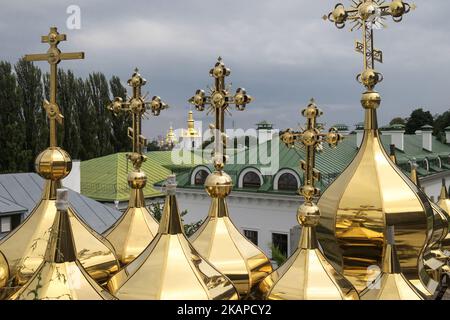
x=251, y=180
x=200, y=177
x=288, y=182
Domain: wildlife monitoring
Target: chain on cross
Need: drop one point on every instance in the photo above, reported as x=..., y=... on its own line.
x=53, y=56
x=138, y=107
x=310, y=138
x=368, y=15
x=219, y=100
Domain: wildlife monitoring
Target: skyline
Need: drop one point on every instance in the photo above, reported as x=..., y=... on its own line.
x=283, y=55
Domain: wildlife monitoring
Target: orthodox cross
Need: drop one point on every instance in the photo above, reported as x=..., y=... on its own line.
x=311, y=139
x=368, y=15
x=219, y=101
x=53, y=57
x=137, y=106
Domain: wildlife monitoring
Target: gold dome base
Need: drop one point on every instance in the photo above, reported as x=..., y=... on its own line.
x=307, y=275
x=61, y=276
x=391, y=284
x=24, y=247
x=134, y=230
x=221, y=243
x=61, y=281
x=170, y=268
x=370, y=194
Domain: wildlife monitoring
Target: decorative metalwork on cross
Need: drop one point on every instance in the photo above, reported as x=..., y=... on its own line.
x=310, y=138
x=219, y=100
x=368, y=15
x=53, y=57
x=138, y=107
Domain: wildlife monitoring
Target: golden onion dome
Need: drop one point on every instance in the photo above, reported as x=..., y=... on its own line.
x=219, y=241
x=364, y=196
x=307, y=275
x=4, y=270
x=391, y=283
x=170, y=267
x=61, y=276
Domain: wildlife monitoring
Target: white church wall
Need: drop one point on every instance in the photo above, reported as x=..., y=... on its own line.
x=263, y=213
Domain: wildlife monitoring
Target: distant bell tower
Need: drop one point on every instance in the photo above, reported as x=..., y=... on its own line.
x=191, y=138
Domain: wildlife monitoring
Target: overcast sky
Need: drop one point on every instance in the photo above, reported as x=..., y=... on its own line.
x=282, y=52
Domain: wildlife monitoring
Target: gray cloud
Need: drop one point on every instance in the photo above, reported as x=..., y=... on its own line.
x=280, y=51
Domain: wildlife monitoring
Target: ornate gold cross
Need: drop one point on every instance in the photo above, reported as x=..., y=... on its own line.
x=219, y=101
x=368, y=15
x=137, y=106
x=311, y=139
x=53, y=57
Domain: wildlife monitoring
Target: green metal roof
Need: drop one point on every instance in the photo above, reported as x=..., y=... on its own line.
x=105, y=178
x=330, y=162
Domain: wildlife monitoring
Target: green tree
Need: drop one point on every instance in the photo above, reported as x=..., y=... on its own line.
x=87, y=122
x=278, y=256
x=29, y=80
x=121, y=121
x=153, y=146
x=99, y=98
x=418, y=118
x=14, y=154
x=156, y=208
x=397, y=120
x=442, y=121
x=70, y=133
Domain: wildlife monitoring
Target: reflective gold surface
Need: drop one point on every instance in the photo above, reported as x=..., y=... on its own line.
x=4, y=270
x=25, y=246
x=391, y=284
x=307, y=275
x=372, y=192
x=170, y=267
x=136, y=228
x=218, y=239
x=221, y=243
x=61, y=276
x=433, y=259
x=444, y=204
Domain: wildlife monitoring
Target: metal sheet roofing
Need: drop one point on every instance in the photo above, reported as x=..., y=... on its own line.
x=25, y=189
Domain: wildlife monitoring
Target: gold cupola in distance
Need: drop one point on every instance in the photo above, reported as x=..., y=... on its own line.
x=170, y=268
x=25, y=247
x=372, y=192
x=61, y=275
x=307, y=275
x=136, y=228
x=218, y=239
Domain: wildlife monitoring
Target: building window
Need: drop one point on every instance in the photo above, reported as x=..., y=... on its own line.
x=200, y=177
x=251, y=180
x=287, y=182
x=252, y=235
x=5, y=224
x=280, y=241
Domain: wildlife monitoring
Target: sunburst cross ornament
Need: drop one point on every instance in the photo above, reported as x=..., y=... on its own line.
x=219, y=99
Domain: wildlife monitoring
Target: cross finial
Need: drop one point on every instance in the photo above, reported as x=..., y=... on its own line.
x=368, y=15
x=219, y=99
x=137, y=106
x=53, y=57
x=310, y=138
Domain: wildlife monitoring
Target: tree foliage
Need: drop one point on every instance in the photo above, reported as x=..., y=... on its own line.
x=90, y=130
x=418, y=118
